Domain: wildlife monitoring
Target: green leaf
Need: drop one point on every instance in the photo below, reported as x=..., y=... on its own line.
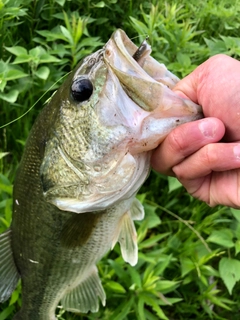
x=167, y=285
x=60, y=50
x=136, y=277
x=10, y=96
x=122, y=310
x=36, y=52
x=100, y=4
x=151, y=217
x=6, y=312
x=229, y=270
x=169, y=301
x=3, y=66
x=48, y=58
x=14, y=74
x=139, y=26
x=6, y=188
x=235, y=213
x=153, y=302
x=8, y=211
x=17, y=50
x=183, y=59
x=141, y=308
x=4, y=179
x=120, y=272
x=4, y=222
x=237, y=247
x=3, y=83
x=67, y=35
x=53, y=35
x=152, y=240
x=90, y=42
x=216, y=46
x=43, y=72
x=22, y=142
x=222, y=237
x=14, y=297
x=3, y=154
x=61, y=2
x=115, y=286
x=23, y=58
x=218, y=301
x=162, y=263
x=186, y=266
x=3, y=203
x=173, y=184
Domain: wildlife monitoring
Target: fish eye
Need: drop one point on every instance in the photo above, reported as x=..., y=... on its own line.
x=81, y=89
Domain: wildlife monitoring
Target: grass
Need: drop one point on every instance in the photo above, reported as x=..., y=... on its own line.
x=185, y=247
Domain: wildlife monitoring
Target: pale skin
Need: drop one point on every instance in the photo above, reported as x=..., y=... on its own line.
x=205, y=155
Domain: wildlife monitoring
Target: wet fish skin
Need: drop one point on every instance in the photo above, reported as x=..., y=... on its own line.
x=74, y=193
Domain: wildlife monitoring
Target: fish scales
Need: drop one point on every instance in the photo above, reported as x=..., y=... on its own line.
x=55, y=247
x=86, y=156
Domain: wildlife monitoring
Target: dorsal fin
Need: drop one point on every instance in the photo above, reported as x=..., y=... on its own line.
x=8, y=271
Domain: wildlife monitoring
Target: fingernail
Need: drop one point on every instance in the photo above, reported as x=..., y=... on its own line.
x=207, y=128
x=236, y=151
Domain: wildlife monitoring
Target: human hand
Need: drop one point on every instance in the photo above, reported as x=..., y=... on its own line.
x=208, y=169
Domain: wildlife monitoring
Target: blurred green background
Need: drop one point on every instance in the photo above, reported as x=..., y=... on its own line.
x=189, y=264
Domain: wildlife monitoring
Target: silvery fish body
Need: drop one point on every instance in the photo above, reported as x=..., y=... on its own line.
x=87, y=155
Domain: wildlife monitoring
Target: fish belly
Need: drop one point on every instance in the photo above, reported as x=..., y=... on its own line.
x=56, y=256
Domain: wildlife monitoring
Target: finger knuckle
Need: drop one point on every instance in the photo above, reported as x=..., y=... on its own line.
x=209, y=156
x=177, y=141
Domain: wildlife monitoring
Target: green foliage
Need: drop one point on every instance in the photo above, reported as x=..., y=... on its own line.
x=171, y=32
x=188, y=253
x=230, y=272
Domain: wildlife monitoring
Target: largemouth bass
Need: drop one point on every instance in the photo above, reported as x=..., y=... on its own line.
x=87, y=155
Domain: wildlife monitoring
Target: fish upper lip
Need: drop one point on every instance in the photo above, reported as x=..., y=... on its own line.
x=147, y=83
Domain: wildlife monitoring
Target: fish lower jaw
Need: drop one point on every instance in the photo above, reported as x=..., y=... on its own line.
x=154, y=131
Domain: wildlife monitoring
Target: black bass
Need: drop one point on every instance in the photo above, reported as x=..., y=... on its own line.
x=87, y=155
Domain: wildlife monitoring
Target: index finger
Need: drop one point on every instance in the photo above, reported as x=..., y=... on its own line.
x=184, y=141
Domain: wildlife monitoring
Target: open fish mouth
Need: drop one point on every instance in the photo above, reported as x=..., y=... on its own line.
x=131, y=110
x=146, y=81
x=126, y=53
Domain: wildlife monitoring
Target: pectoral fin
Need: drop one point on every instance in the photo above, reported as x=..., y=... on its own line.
x=128, y=240
x=85, y=296
x=126, y=234
x=8, y=271
x=137, y=210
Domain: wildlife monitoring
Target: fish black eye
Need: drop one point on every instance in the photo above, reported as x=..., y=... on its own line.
x=81, y=89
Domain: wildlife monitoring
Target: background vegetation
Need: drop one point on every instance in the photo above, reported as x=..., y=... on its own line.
x=189, y=264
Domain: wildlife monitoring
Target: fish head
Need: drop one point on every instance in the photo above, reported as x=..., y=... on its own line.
x=113, y=109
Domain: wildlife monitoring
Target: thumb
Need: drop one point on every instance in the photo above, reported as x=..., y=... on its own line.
x=187, y=87
x=214, y=86
x=209, y=81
